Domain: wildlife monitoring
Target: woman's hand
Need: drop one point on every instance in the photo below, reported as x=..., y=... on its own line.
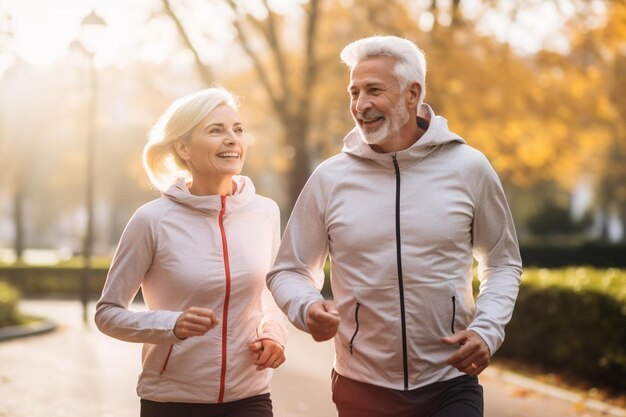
x=195, y=321
x=266, y=353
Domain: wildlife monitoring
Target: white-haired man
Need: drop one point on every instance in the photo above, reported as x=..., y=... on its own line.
x=402, y=212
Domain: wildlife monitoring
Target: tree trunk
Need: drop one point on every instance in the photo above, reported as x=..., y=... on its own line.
x=622, y=217
x=457, y=19
x=18, y=219
x=605, y=210
x=296, y=130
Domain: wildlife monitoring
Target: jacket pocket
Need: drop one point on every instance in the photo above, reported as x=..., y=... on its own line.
x=453, y=313
x=166, y=361
x=356, y=330
x=432, y=312
x=373, y=331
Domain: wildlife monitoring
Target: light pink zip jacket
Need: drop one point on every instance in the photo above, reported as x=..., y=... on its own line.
x=213, y=252
x=402, y=231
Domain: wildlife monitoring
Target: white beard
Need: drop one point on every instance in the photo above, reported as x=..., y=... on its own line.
x=391, y=125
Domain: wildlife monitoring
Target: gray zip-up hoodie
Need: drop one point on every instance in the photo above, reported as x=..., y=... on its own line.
x=206, y=251
x=402, y=231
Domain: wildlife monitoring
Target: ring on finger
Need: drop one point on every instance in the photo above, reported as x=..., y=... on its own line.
x=473, y=366
x=276, y=365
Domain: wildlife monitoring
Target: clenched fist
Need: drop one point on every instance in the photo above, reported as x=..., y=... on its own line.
x=322, y=320
x=195, y=321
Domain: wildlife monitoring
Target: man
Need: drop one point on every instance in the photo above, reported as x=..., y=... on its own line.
x=402, y=212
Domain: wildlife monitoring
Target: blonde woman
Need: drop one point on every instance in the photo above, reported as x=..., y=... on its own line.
x=212, y=333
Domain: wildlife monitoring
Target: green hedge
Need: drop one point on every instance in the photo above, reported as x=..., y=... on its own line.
x=572, y=321
x=594, y=254
x=9, y=299
x=65, y=281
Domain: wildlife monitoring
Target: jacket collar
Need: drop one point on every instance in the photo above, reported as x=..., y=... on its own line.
x=437, y=134
x=212, y=204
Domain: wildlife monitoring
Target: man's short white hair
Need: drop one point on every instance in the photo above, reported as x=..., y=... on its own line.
x=410, y=60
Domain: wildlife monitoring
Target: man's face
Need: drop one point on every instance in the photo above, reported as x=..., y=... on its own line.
x=377, y=103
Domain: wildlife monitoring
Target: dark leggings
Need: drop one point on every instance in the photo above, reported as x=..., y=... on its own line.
x=257, y=406
x=458, y=397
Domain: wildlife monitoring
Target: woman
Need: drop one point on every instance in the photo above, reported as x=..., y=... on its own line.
x=212, y=332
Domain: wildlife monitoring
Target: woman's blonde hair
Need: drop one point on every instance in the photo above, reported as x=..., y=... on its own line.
x=160, y=159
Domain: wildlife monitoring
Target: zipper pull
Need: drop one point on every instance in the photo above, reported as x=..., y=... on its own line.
x=395, y=163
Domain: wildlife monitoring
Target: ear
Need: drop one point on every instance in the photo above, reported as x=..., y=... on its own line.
x=413, y=92
x=182, y=149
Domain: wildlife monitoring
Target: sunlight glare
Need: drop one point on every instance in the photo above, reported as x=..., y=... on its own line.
x=39, y=39
x=43, y=29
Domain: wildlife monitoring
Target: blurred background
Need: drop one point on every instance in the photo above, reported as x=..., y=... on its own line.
x=539, y=86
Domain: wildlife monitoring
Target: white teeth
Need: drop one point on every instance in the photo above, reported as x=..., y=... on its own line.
x=228, y=155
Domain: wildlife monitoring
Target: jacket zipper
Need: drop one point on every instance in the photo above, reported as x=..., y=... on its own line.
x=220, y=398
x=405, y=360
x=356, y=319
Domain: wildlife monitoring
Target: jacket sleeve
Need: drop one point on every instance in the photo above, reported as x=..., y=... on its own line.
x=274, y=323
x=496, y=249
x=131, y=261
x=297, y=276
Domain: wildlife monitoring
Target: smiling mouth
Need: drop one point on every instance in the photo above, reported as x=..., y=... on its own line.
x=229, y=155
x=371, y=121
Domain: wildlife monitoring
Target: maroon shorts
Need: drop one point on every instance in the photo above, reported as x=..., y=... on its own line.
x=457, y=397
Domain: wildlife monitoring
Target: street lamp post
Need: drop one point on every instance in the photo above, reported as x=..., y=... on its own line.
x=91, y=30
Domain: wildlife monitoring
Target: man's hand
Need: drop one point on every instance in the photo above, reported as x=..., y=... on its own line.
x=267, y=353
x=472, y=357
x=322, y=319
x=195, y=321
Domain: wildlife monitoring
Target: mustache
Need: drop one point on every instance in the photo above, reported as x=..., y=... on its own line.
x=369, y=115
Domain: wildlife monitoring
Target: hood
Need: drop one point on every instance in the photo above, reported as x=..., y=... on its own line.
x=437, y=134
x=211, y=204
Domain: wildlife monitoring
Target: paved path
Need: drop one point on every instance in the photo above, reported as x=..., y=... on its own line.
x=76, y=372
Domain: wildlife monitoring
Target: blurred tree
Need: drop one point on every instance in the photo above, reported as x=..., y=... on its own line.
x=598, y=58
x=611, y=43
x=7, y=58
x=40, y=144
x=288, y=83
x=542, y=118
x=20, y=120
x=131, y=100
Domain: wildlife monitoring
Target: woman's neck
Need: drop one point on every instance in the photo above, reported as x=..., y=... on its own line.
x=212, y=186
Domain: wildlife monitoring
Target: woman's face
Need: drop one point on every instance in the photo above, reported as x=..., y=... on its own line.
x=217, y=146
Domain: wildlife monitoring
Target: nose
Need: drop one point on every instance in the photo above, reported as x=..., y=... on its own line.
x=231, y=138
x=362, y=103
